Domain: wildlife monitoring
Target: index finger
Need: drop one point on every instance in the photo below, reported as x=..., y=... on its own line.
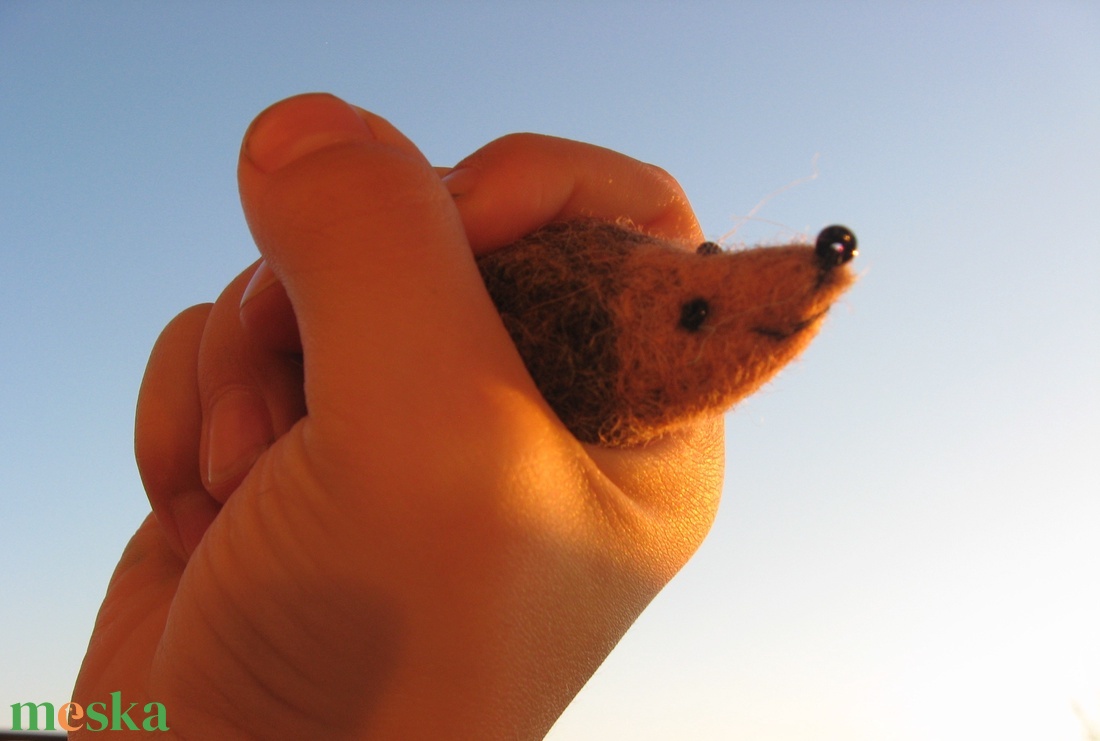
x=514, y=185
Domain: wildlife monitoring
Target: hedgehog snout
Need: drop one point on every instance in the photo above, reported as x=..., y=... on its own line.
x=835, y=246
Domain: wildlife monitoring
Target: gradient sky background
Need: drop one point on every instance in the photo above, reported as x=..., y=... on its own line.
x=909, y=547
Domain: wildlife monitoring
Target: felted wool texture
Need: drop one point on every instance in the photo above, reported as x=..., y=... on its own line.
x=595, y=308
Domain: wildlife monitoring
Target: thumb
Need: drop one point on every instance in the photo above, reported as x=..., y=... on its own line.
x=394, y=319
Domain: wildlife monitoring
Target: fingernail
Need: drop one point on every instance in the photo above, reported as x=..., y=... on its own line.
x=460, y=181
x=239, y=429
x=299, y=126
x=261, y=280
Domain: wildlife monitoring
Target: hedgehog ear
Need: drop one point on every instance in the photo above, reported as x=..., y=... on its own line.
x=708, y=248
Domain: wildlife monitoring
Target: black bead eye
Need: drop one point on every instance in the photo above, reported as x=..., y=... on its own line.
x=708, y=248
x=693, y=313
x=836, y=245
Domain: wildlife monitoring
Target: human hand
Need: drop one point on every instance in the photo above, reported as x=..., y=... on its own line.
x=383, y=531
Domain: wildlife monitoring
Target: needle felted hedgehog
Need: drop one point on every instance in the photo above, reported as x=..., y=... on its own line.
x=629, y=337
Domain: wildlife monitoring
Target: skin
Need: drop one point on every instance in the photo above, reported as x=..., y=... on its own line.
x=365, y=521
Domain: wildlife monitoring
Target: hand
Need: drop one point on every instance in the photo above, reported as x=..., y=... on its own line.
x=366, y=521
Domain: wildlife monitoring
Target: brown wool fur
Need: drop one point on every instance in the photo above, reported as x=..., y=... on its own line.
x=594, y=309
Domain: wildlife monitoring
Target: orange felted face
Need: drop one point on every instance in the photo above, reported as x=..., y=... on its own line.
x=628, y=336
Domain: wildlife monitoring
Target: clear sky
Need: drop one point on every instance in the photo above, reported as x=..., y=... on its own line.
x=909, y=543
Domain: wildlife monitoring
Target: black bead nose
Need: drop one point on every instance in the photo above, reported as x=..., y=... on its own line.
x=835, y=246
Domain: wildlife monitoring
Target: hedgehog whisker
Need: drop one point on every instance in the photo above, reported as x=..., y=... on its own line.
x=787, y=301
x=707, y=332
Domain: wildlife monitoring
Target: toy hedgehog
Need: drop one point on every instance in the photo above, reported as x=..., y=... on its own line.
x=629, y=336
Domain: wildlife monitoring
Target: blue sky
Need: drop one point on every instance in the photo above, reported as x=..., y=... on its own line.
x=910, y=535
